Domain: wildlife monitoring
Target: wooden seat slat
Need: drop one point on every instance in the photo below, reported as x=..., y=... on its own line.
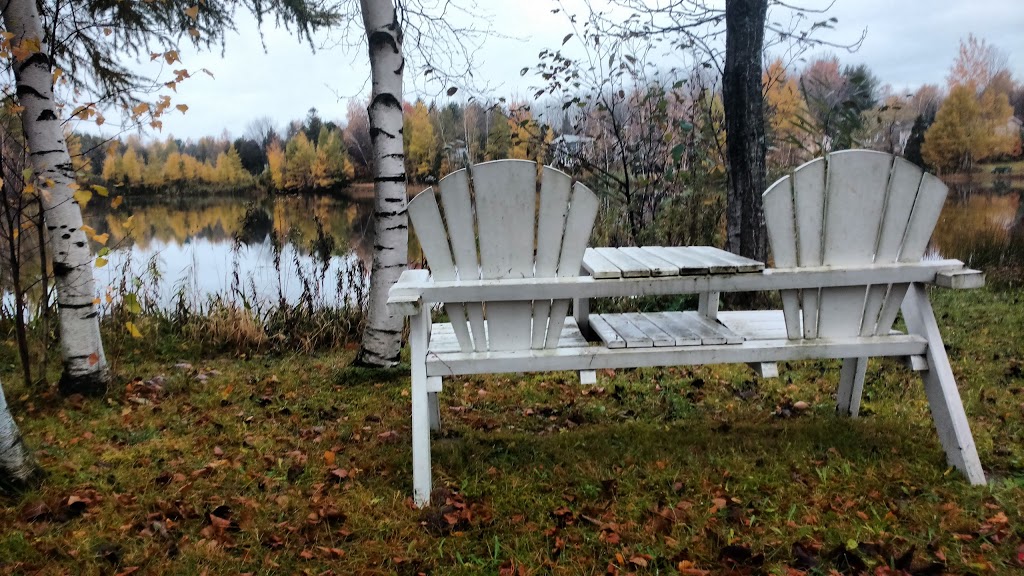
x=598, y=266
x=682, y=335
x=630, y=267
x=606, y=333
x=634, y=337
x=687, y=264
x=657, y=335
x=658, y=266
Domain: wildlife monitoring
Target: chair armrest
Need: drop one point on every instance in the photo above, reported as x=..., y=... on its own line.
x=404, y=297
x=964, y=279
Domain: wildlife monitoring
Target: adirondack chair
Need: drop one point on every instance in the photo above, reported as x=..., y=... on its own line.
x=500, y=221
x=857, y=208
x=848, y=232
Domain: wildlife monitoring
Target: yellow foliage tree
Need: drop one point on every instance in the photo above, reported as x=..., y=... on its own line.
x=418, y=134
x=332, y=166
x=173, y=171
x=131, y=167
x=299, y=156
x=112, y=171
x=968, y=129
x=275, y=164
x=787, y=113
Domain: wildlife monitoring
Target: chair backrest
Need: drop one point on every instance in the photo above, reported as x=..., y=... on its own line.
x=505, y=219
x=851, y=208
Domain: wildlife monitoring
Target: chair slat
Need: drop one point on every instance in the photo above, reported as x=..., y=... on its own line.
x=857, y=182
x=458, y=214
x=899, y=202
x=781, y=222
x=506, y=194
x=809, y=204
x=578, y=224
x=554, y=206
x=430, y=230
x=682, y=335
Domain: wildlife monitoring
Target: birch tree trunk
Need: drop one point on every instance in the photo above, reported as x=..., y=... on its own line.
x=17, y=467
x=85, y=367
x=382, y=338
x=745, y=142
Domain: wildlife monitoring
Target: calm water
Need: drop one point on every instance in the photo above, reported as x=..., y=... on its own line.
x=196, y=245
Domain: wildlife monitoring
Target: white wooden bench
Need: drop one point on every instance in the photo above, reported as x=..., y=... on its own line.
x=506, y=243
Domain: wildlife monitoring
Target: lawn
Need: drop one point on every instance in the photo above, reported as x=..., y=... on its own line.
x=280, y=464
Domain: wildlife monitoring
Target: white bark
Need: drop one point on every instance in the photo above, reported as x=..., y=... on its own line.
x=17, y=467
x=382, y=339
x=85, y=367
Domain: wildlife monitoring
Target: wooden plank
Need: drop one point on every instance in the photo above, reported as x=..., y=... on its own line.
x=687, y=264
x=606, y=333
x=855, y=200
x=675, y=328
x=578, y=224
x=809, y=208
x=931, y=196
x=554, y=206
x=634, y=337
x=961, y=279
x=587, y=287
x=696, y=324
x=430, y=231
x=719, y=328
x=458, y=215
x=505, y=192
x=735, y=262
x=658, y=266
x=599, y=267
x=630, y=267
x=780, y=219
x=658, y=336
x=757, y=324
x=599, y=357
x=700, y=261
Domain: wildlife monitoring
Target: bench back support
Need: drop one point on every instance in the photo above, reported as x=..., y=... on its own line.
x=498, y=220
x=851, y=208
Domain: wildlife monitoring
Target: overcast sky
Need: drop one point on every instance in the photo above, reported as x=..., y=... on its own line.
x=909, y=43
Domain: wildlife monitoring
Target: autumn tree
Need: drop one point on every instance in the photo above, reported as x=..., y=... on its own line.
x=499, y=135
x=418, y=135
x=786, y=112
x=971, y=125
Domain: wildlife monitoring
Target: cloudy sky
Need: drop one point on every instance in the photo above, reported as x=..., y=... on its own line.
x=909, y=42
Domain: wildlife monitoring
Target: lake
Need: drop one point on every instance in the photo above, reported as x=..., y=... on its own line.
x=273, y=247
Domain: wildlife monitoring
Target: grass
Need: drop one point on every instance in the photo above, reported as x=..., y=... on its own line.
x=282, y=464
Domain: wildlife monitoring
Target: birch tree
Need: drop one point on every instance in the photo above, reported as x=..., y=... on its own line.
x=444, y=53
x=85, y=367
x=382, y=338
x=18, y=469
x=86, y=43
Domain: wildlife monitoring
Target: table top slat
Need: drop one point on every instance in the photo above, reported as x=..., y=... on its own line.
x=658, y=266
x=598, y=266
x=629, y=266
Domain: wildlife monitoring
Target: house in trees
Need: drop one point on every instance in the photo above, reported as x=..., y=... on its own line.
x=568, y=150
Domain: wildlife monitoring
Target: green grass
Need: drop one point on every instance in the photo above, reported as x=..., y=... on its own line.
x=300, y=464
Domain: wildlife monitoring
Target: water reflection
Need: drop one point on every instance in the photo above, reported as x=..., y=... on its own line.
x=982, y=222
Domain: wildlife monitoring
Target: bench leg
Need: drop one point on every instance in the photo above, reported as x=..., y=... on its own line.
x=943, y=397
x=433, y=387
x=851, y=386
x=707, y=305
x=419, y=337
x=581, y=313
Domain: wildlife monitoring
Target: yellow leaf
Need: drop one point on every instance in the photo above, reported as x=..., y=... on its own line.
x=100, y=119
x=102, y=238
x=116, y=202
x=171, y=56
x=153, y=56
x=194, y=33
x=101, y=190
x=57, y=73
x=96, y=301
x=133, y=330
x=83, y=197
x=329, y=457
x=101, y=262
x=130, y=221
x=94, y=358
x=157, y=124
x=192, y=12
x=182, y=107
x=141, y=108
x=108, y=31
x=89, y=231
